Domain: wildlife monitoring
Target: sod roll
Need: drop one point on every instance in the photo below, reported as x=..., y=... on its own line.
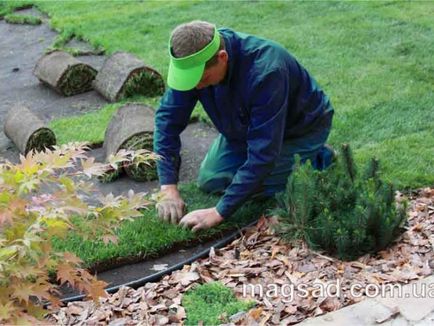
x=64, y=73
x=124, y=75
x=132, y=128
x=27, y=131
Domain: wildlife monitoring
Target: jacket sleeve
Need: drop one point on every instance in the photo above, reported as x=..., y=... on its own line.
x=268, y=110
x=171, y=119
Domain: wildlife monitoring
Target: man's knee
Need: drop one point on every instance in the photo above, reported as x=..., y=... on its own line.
x=214, y=184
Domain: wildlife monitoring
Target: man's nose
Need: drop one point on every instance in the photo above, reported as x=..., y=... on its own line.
x=202, y=82
x=200, y=85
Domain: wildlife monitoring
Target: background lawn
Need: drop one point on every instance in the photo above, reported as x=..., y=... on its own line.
x=374, y=60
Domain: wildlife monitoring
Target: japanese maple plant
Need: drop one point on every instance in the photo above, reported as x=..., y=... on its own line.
x=47, y=194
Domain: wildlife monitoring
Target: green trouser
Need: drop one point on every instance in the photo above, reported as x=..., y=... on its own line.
x=224, y=158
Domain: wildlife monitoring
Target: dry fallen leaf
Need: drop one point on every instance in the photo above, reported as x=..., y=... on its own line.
x=256, y=313
x=159, y=267
x=264, y=259
x=185, y=278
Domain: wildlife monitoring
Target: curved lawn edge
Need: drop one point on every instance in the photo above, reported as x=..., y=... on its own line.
x=147, y=237
x=108, y=264
x=135, y=283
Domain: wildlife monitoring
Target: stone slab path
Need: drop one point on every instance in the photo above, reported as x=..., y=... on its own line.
x=414, y=305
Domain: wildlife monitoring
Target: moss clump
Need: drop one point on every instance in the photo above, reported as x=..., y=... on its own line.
x=212, y=304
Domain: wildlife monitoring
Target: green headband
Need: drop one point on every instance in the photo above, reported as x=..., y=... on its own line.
x=202, y=56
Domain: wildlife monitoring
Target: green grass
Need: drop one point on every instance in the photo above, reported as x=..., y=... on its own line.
x=90, y=127
x=212, y=304
x=22, y=19
x=7, y=7
x=147, y=236
x=374, y=60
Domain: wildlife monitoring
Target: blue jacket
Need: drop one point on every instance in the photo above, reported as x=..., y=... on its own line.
x=266, y=97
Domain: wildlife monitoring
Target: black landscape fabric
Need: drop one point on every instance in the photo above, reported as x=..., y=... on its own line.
x=124, y=75
x=64, y=73
x=132, y=128
x=27, y=131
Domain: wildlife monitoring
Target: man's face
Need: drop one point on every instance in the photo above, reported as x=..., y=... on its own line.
x=216, y=73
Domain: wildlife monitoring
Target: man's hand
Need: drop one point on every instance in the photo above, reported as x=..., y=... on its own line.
x=170, y=207
x=201, y=219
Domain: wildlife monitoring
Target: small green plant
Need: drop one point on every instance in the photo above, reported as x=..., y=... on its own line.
x=212, y=304
x=66, y=36
x=22, y=19
x=339, y=210
x=45, y=196
x=8, y=7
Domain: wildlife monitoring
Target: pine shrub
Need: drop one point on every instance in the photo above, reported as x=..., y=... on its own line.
x=342, y=211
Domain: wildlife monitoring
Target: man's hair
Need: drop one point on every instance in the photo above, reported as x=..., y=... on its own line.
x=191, y=37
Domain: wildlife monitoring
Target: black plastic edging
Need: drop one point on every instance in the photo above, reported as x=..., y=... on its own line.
x=156, y=276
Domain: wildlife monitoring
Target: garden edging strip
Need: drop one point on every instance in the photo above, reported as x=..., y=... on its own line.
x=156, y=276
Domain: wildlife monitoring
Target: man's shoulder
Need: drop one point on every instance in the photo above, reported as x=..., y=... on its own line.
x=261, y=53
x=250, y=41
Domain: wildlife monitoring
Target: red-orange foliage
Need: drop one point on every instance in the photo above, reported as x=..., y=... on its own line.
x=38, y=197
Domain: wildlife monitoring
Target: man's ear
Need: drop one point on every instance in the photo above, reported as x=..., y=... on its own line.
x=223, y=56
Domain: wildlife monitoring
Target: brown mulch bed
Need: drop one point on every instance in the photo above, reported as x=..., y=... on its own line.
x=260, y=257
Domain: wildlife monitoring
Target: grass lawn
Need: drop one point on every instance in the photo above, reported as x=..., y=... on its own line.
x=374, y=59
x=147, y=236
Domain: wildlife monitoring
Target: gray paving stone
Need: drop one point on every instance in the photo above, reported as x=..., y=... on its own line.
x=397, y=321
x=427, y=321
x=414, y=303
x=364, y=313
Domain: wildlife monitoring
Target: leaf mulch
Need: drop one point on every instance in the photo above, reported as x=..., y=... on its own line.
x=260, y=257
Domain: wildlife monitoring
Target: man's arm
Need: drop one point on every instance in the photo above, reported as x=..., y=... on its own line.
x=170, y=120
x=265, y=136
x=269, y=105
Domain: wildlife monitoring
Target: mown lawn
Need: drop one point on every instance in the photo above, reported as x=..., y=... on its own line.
x=374, y=60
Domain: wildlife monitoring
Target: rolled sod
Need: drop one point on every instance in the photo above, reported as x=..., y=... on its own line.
x=124, y=75
x=27, y=131
x=131, y=128
x=140, y=171
x=110, y=175
x=64, y=73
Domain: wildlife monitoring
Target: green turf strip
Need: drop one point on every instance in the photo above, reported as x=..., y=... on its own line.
x=22, y=19
x=7, y=7
x=147, y=236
